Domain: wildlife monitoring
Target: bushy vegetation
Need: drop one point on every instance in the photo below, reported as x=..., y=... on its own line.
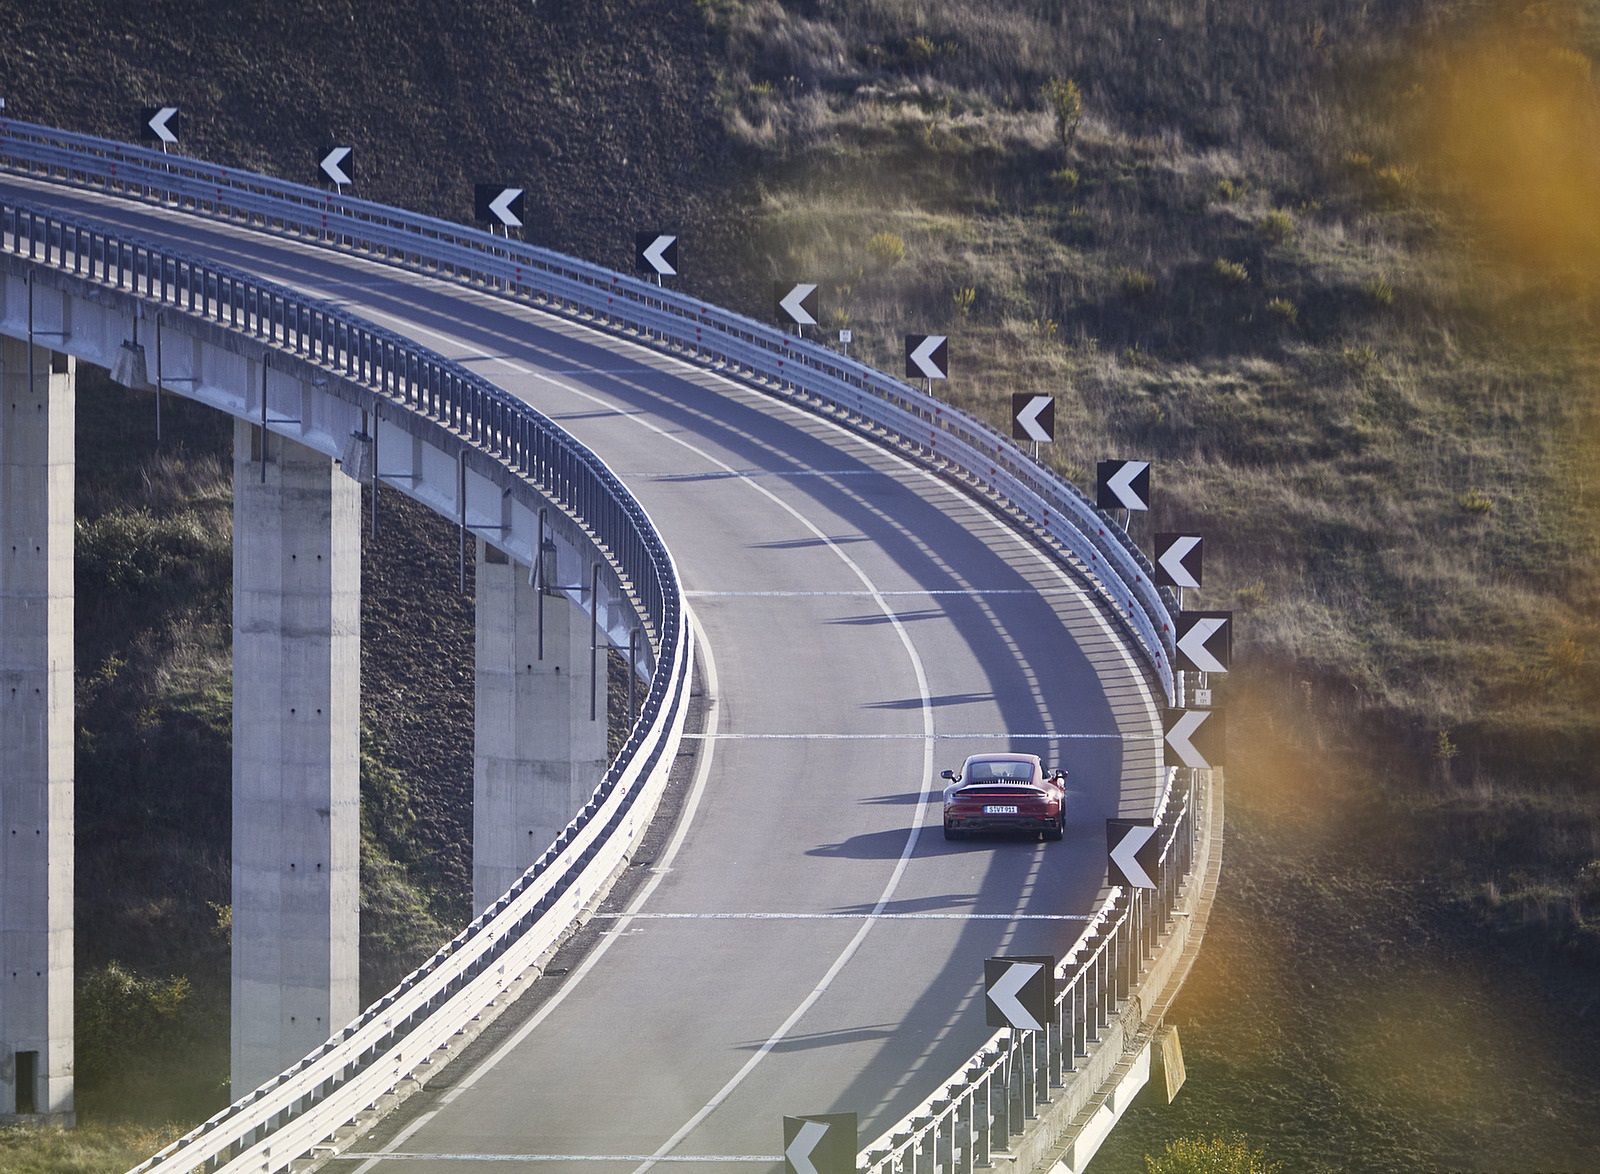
x=95, y=1148
x=1211, y=1155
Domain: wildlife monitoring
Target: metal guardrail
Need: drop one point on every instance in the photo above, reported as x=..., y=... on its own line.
x=1110, y=561
x=302, y=1107
x=1000, y=1090
x=1014, y=1070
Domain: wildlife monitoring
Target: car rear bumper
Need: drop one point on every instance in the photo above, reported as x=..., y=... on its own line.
x=1000, y=823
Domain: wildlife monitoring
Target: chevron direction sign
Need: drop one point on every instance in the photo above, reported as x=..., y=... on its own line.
x=1178, y=560
x=1020, y=992
x=820, y=1144
x=1134, y=851
x=159, y=124
x=336, y=165
x=656, y=252
x=927, y=356
x=497, y=204
x=1033, y=417
x=1205, y=641
x=1124, y=485
x=1193, y=738
x=795, y=303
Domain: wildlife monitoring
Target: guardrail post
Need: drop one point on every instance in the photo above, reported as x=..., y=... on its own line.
x=983, y=1121
x=1000, y=1100
x=1016, y=1103
x=962, y=1133
x=1105, y=986
x=1127, y=947
x=1060, y=1045
x=925, y=1149
x=1041, y=1067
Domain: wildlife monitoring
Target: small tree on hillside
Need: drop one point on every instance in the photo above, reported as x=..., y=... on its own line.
x=1066, y=101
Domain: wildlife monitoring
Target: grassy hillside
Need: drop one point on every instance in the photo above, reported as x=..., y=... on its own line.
x=1327, y=266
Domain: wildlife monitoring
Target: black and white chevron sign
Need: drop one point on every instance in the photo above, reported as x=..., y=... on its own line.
x=1134, y=852
x=336, y=166
x=656, y=252
x=1033, y=417
x=159, y=124
x=1020, y=991
x=796, y=303
x=1205, y=641
x=927, y=356
x=495, y=203
x=1178, y=560
x=1124, y=485
x=823, y=1143
x=1194, y=738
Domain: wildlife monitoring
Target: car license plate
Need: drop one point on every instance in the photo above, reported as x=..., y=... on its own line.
x=998, y=809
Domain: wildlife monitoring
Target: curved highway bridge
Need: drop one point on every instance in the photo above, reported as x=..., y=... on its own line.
x=876, y=588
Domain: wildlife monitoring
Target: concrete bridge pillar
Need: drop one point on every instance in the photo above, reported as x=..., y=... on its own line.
x=36, y=730
x=296, y=752
x=537, y=754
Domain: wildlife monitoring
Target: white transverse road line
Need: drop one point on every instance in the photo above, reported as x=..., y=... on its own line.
x=403, y=1157
x=846, y=916
x=708, y=737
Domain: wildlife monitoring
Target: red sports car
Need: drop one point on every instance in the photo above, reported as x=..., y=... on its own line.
x=1004, y=793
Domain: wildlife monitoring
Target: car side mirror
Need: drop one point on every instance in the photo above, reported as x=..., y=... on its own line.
x=948, y=774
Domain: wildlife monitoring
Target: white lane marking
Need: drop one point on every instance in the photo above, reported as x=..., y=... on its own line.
x=903, y=737
x=408, y=1157
x=919, y=593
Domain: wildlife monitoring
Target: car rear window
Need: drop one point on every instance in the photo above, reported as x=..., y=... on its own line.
x=994, y=772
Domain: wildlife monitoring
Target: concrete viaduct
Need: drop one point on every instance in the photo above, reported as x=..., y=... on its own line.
x=304, y=445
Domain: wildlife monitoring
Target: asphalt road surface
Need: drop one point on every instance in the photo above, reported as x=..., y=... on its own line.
x=805, y=941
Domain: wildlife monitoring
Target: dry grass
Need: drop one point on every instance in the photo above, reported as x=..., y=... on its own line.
x=89, y=1149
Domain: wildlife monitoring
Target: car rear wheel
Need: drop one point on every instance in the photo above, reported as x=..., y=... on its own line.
x=1056, y=830
x=951, y=833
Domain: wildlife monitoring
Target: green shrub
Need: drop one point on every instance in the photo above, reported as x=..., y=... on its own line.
x=1228, y=191
x=1066, y=103
x=1277, y=226
x=1360, y=359
x=1066, y=179
x=1134, y=282
x=1210, y=1155
x=146, y=1046
x=1396, y=185
x=1380, y=290
x=886, y=248
x=963, y=299
x=1231, y=272
x=1476, y=502
x=1284, y=310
